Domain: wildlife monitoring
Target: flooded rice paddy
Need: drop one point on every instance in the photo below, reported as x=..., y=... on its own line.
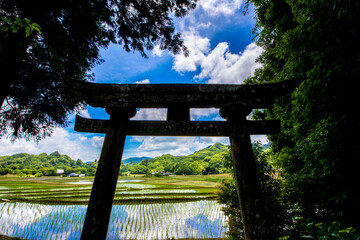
x=197, y=219
x=177, y=207
x=80, y=182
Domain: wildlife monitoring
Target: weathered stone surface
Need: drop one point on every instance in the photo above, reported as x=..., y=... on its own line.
x=178, y=113
x=177, y=128
x=186, y=95
x=252, y=207
x=120, y=110
x=102, y=194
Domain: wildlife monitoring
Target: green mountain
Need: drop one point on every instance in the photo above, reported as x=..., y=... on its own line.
x=27, y=164
x=205, y=161
x=134, y=159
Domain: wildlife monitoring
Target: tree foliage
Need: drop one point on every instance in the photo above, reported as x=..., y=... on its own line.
x=317, y=44
x=278, y=213
x=44, y=165
x=205, y=161
x=45, y=46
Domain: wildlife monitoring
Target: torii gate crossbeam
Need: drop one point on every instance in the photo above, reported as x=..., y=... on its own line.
x=235, y=102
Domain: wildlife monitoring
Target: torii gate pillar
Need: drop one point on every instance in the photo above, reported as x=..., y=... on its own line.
x=247, y=182
x=107, y=173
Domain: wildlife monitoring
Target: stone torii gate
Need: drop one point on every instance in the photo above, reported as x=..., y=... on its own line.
x=235, y=103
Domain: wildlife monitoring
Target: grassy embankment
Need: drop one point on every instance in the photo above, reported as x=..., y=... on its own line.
x=59, y=190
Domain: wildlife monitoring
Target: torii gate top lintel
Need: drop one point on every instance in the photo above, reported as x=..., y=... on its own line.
x=189, y=95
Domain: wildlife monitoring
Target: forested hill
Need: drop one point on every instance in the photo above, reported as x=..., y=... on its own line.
x=205, y=161
x=134, y=159
x=43, y=164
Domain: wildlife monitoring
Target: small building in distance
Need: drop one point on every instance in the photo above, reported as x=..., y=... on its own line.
x=156, y=173
x=75, y=175
x=59, y=172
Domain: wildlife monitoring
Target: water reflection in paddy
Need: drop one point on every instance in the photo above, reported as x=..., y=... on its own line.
x=126, y=181
x=91, y=182
x=200, y=219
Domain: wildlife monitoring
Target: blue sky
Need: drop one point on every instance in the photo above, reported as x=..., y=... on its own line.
x=218, y=36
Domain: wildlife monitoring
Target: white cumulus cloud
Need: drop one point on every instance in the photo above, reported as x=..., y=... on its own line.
x=176, y=146
x=75, y=145
x=218, y=65
x=198, y=46
x=196, y=113
x=157, y=51
x=84, y=113
x=222, y=66
x=145, y=81
x=220, y=7
x=151, y=114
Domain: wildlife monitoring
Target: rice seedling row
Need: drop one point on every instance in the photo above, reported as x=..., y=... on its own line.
x=200, y=219
x=149, y=209
x=125, y=192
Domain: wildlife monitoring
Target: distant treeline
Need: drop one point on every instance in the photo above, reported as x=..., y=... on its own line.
x=205, y=161
x=24, y=164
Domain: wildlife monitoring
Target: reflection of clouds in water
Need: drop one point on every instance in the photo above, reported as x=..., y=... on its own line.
x=20, y=215
x=64, y=222
x=164, y=221
x=208, y=227
x=142, y=221
x=133, y=185
x=36, y=221
x=80, y=182
x=122, y=181
x=150, y=191
x=119, y=218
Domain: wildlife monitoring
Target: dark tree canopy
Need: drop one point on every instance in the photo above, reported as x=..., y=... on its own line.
x=317, y=44
x=37, y=66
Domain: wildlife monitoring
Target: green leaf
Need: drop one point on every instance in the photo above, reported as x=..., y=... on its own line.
x=18, y=21
x=5, y=28
x=27, y=20
x=28, y=31
x=36, y=27
x=335, y=235
x=307, y=237
x=7, y=20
